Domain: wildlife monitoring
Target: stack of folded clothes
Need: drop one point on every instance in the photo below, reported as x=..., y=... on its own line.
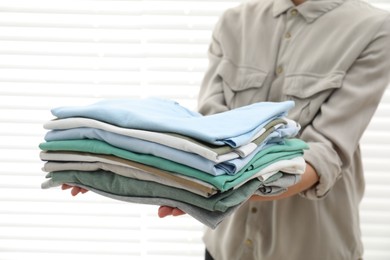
x=155, y=151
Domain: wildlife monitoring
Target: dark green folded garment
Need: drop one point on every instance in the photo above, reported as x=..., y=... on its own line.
x=124, y=186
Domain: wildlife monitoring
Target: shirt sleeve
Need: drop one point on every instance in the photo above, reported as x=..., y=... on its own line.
x=334, y=134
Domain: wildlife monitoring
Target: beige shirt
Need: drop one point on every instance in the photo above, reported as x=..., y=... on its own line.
x=332, y=57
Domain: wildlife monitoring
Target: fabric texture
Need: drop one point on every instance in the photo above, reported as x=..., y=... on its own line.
x=124, y=186
x=290, y=149
x=135, y=173
x=184, y=143
x=62, y=161
x=192, y=160
x=63, y=157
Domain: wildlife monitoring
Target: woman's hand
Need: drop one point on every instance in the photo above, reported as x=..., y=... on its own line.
x=309, y=179
x=75, y=190
x=164, y=211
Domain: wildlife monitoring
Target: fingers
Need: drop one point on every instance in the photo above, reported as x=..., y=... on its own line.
x=177, y=212
x=164, y=211
x=75, y=190
x=65, y=186
x=82, y=190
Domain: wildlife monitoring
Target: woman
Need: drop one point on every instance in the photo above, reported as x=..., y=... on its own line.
x=332, y=57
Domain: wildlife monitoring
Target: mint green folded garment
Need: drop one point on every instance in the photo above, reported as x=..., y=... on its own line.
x=124, y=186
x=290, y=149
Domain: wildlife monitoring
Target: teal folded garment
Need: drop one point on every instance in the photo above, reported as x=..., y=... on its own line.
x=124, y=186
x=291, y=148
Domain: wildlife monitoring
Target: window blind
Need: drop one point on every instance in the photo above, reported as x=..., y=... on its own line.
x=56, y=53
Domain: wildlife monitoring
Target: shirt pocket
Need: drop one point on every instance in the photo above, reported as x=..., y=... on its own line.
x=240, y=83
x=309, y=92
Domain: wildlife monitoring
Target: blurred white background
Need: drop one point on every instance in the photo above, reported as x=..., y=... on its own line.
x=55, y=53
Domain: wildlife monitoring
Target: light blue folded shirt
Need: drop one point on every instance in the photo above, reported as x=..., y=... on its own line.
x=192, y=160
x=234, y=127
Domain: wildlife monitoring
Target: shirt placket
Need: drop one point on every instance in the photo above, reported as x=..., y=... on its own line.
x=251, y=233
x=256, y=218
x=292, y=22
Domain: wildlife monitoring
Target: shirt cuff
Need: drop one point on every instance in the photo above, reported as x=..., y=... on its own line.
x=326, y=162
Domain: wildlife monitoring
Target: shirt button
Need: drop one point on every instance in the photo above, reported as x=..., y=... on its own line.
x=294, y=12
x=254, y=210
x=279, y=70
x=287, y=35
x=248, y=243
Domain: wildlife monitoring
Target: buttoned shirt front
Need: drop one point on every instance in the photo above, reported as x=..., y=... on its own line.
x=332, y=58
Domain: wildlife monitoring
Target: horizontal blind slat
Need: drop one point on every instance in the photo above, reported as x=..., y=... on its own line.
x=103, y=50
x=102, y=64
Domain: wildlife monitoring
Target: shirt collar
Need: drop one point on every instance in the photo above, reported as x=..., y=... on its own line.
x=281, y=6
x=310, y=10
